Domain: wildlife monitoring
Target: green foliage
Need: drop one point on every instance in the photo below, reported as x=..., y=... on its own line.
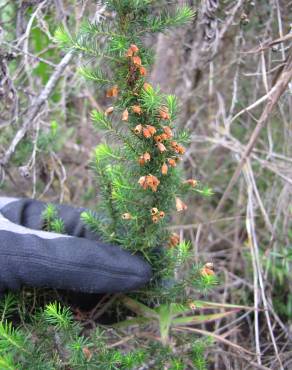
x=90, y=219
x=52, y=139
x=52, y=340
x=197, y=355
x=181, y=16
x=58, y=316
x=62, y=37
x=7, y=306
x=51, y=220
x=11, y=339
x=278, y=266
x=100, y=121
x=95, y=76
x=172, y=105
x=7, y=362
x=163, y=356
x=151, y=99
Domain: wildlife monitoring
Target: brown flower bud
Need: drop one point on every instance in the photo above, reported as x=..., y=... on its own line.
x=138, y=129
x=141, y=160
x=151, y=129
x=143, y=71
x=174, y=145
x=154, y=211
x=125, y=115
x=161, y=214
x=167, y=131
x=109, y=111
x=136, y=109
x=126, y=216
x=161, y=147
x=146, y=157
x=143, y=182
x=163, y=113
x=149, y=181
x=87, y=353
x=193, y=183
x=173, y=240
x=112, y=92
x=180, y=149
x=180, y=205
x=137, y=61
x=157, y=138
x=146, y=133
x=171, y=162
x=132, y=50
x=155, y=219
x=207, y=270
x=164, y=169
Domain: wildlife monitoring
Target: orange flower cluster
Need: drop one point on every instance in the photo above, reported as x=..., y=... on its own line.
x=149, y=181
x=135, y=59
x=207, y=270
x=148, y=131
x=165, y=136
x=162, y=140
x=177, y=148
x=171, y=162
x=156, y=214
x=144, y=158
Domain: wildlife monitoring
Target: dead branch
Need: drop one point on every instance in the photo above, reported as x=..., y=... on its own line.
x=278, y=90
x=35, y=108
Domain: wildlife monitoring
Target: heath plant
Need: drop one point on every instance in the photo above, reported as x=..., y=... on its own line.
x=138, y=164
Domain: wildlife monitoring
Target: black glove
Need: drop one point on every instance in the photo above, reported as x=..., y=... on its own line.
x=77, y=261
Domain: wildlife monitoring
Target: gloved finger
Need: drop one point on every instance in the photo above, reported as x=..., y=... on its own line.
x=42, y=259
x=28, y=212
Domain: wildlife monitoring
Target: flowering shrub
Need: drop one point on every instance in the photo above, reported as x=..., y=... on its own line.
x=138, y=170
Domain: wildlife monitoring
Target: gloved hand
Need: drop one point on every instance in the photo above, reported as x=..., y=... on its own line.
x=77, y=261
